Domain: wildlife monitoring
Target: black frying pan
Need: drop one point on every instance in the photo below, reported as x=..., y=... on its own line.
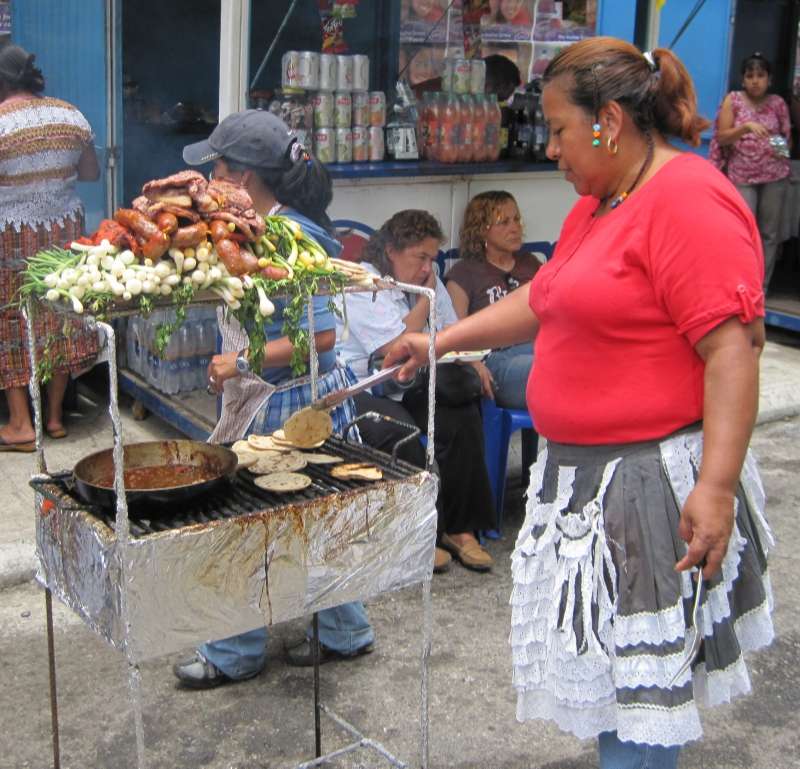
x=94, y=474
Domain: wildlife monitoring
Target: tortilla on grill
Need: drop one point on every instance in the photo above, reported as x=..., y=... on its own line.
x=274, y=462
x=264, y=443
x=359, y=470
x=246, y=458
x=307, y=427
x=321, y=459
x=283, y=482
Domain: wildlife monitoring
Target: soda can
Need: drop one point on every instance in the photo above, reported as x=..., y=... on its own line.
x=360, y=144
x=342, y=110
x=477, y=76
x=376, y=145
x=462, y=74
x=344, y=145
x=344, y=73
x=290, y=69
x=323, y=109
x=325, y=145
x=360, y=72
x=327, y=72
x=360, y=108
x=447, y=76
x=308, y=73
x=377, y=108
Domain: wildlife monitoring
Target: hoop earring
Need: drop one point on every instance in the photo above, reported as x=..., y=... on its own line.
x=613, y=146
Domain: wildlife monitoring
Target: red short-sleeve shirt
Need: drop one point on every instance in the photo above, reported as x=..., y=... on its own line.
x=626, y=297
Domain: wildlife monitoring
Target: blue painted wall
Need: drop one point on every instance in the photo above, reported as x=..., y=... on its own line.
x=616, y=18
x=704, y=47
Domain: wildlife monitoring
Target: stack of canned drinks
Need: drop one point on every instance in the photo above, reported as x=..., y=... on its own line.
x=348, y=118
x=464, y=75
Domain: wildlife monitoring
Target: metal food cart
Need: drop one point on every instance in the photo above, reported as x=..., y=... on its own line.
x=237, y=559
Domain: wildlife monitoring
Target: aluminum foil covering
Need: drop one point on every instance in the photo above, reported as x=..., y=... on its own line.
x=214, y=580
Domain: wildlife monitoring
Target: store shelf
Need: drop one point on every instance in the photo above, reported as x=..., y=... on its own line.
x=417, y=168
x=783, y=312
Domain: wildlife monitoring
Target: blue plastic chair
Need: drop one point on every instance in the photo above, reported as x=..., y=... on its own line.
x=498, y=426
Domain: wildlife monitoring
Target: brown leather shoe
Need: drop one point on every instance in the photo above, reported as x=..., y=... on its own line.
x=471, y=555
x=441, y=561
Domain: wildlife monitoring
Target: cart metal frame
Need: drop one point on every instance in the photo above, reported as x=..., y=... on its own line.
x=107, y=354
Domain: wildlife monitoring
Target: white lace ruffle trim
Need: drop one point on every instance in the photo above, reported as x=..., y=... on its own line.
x=577, y=688
x=645, y=725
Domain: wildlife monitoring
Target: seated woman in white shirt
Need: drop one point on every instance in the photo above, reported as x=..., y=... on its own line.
x=405, y=247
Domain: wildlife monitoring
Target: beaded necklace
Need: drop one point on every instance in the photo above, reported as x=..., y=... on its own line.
x=623, y=196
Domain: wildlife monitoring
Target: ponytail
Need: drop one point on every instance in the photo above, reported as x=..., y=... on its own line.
x=675, y=100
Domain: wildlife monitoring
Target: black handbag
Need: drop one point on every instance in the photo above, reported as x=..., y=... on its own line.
x=456, y=385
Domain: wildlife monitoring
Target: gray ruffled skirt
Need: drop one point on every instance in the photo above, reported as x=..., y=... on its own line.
x=599, y=615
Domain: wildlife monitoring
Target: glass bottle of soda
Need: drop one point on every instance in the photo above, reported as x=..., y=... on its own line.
x=449, y=130
x=493, y=126
x=506, y=129
x=432, y=125
x=480, y=152
x=466, y=119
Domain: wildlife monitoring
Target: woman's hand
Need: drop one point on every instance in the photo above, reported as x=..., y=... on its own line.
x=487, y=381
x=757, y=129
x=412, y=348
x=220, y=368
x=706, y=525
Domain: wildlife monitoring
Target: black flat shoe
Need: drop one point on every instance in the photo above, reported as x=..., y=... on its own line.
x=196, y=672
x=300, y=655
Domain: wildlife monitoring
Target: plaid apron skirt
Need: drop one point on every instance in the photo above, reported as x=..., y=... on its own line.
x=600, y=616
x=64, y=340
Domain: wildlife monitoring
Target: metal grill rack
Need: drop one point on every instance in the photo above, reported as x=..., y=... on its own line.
x=123, y=532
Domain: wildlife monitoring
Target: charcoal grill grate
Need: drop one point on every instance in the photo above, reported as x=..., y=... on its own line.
x=240, y=496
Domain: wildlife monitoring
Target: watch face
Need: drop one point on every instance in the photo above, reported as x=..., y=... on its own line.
x=242, y=364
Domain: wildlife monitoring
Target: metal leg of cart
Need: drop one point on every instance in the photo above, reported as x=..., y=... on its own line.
x=51, y=655
x=35, y=393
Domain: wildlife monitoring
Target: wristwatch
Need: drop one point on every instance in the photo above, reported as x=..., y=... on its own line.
x=242, y=364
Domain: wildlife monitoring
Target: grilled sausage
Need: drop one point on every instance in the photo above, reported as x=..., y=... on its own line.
x=167, y=222
x=191, y=235
x=239, y=261
x=274, y=273
x=219, y=230
x=155, y=247
x=137, y=222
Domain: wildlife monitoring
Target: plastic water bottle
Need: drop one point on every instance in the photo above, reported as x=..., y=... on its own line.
x=133, y=346
x=206, y=346
x=188, y=349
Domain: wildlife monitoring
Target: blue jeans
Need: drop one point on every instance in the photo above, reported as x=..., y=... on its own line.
x=615, y=754
x=510, y=368
x=344, y=629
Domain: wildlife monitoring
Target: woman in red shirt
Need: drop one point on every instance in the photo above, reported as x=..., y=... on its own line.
x=647, y=326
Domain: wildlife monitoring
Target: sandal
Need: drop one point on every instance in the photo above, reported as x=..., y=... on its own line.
x=23, y=446
x=58, y=432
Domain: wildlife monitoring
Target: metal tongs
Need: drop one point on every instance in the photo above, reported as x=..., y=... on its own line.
x=697, y=638
x=339, y=396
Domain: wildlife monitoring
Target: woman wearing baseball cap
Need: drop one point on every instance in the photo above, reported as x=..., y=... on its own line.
x=257, y=150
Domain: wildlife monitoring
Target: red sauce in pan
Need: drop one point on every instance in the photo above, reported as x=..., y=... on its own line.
x=158, y=477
